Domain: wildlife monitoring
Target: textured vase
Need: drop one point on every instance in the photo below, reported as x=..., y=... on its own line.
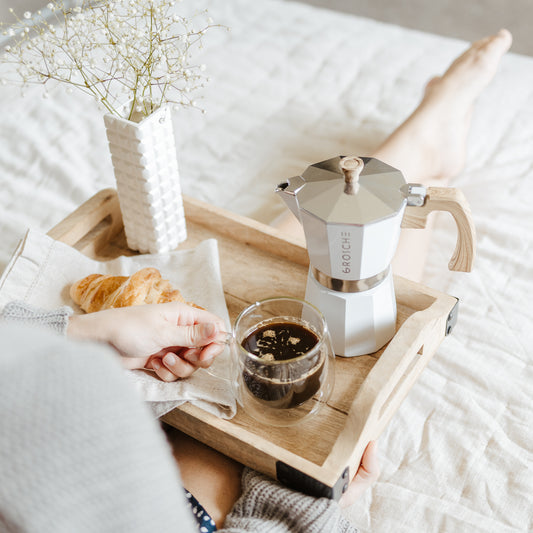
x=147, y=177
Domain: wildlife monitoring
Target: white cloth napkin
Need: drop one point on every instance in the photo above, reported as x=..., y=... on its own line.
x=41, y=271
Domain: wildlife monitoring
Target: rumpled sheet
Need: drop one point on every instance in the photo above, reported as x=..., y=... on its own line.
x=292, y=85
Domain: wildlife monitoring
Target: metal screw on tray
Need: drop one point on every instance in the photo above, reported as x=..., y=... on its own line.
x=352, y=211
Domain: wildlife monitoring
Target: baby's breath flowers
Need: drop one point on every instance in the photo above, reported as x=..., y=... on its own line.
x=133, y=52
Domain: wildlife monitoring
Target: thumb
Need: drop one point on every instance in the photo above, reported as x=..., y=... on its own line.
x=197, y=335
x=369, y=468
x=367, y=473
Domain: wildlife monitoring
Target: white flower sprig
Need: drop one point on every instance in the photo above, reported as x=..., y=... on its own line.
x=135, y=51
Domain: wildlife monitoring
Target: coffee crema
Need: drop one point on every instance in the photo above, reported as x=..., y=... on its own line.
x=280, y=341
x=291, y=382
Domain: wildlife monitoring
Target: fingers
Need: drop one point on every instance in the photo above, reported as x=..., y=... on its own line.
x=369, y=469
x=181, y=314
x=203, y=357
x=204, y=316
x=193, y=336
x=176, y=338
x=186, y=326
x=201, y=334
x=366, y=475
x=171, y=367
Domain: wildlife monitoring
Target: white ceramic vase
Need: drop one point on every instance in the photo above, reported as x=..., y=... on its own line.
x=147, y=177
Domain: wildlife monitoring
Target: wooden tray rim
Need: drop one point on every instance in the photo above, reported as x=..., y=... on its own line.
x=98, y=221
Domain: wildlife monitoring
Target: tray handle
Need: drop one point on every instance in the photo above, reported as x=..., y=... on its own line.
x=389, y=382
x=93, y=224
x=453, y=201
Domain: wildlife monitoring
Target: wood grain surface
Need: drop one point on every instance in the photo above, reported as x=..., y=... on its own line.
x=257, y=262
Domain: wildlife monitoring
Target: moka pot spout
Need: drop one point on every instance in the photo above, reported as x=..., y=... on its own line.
x=288, y=191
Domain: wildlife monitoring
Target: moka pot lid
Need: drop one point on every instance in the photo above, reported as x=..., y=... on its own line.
x=351, y=190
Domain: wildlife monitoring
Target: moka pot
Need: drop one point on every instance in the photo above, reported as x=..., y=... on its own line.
x=352, y=210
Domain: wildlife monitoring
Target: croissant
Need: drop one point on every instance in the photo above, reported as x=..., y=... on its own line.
x=98, y=291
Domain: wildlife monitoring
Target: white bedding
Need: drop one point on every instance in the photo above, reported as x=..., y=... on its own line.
x=292, y=85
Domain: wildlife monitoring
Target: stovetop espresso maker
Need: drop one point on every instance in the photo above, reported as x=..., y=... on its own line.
x=352, y=210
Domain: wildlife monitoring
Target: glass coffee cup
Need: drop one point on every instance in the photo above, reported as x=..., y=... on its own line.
x=284, y=361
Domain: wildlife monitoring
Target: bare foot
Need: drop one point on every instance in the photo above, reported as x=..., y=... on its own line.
x=436, y=131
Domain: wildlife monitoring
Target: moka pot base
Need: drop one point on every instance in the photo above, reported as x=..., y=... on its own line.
x=360, y=322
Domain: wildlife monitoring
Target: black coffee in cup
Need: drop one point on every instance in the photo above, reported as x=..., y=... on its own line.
x=281, y=376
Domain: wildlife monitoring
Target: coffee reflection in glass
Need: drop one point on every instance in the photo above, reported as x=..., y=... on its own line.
x=285, y=360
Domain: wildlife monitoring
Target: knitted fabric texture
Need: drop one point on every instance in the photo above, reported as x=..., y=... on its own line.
x=56, y=320
x=79, y=452
x=266, y=506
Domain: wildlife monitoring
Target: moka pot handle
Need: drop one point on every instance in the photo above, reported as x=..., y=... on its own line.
x=453, y=201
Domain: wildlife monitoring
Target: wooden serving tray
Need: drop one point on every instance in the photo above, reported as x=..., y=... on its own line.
x=319, y=456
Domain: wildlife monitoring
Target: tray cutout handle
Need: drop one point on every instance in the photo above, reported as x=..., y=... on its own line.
x=453, y=201
x=389, y=382
x=398, y=394
x=91, y=225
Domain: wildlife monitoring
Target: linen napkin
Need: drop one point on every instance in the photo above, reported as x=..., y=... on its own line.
x=42, y=270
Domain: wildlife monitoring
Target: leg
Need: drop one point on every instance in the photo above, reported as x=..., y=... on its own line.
x=436, y=132
x=212, y=478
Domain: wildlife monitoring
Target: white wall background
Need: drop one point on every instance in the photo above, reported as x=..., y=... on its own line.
x=468, y=20
x=453, y=18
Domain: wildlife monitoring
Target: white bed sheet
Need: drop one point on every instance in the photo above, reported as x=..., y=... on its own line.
x=292, y=85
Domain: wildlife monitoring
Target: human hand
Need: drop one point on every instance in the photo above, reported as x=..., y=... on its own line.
x=366, y=475
x=173, y=339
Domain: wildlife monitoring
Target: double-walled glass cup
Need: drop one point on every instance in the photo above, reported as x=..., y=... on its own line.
x=284, y=361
